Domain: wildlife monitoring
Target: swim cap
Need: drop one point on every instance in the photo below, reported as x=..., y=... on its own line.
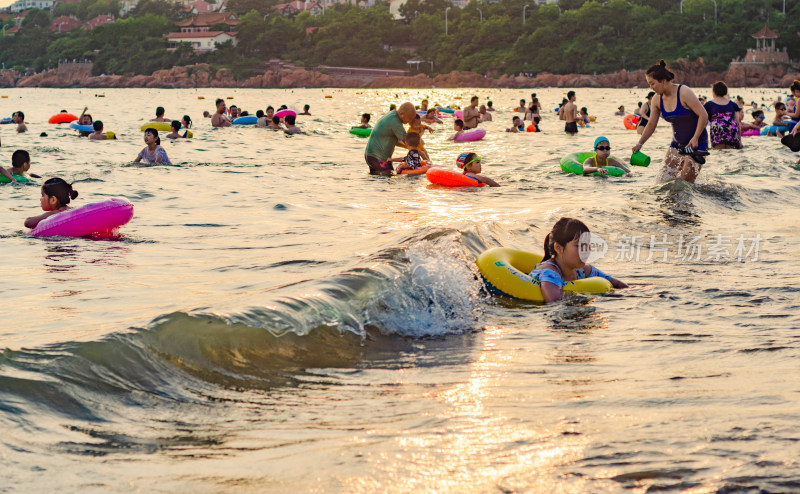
x=599, y=140
x=462, y=158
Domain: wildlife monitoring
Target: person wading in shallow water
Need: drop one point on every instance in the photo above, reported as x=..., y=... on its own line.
x=388, y=133
x=685, y=155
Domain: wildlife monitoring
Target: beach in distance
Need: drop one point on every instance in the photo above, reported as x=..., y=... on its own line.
x=275, y=319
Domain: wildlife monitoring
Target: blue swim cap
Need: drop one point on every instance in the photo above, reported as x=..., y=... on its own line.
x=599, y=140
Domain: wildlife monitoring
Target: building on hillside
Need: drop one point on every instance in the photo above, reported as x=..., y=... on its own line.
x=201, y=41
x=12, y=30
x=64, y=23
x=21, y=5
x=297, y=6
x=201, y=7
x=126, y=6
x=100, y=20
x=203, y=22
x=765, y=51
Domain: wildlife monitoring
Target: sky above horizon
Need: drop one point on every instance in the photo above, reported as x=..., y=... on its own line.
x=5, y=3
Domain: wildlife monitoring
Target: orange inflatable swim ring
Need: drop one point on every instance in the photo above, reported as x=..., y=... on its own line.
x=630, y=121
x=450, y=178
x=417, y=171
x=60, y=118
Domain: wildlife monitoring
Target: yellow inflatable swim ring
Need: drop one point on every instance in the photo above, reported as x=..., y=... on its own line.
x=506, y=273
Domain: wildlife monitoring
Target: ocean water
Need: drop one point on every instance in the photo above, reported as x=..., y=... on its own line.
x=274, y=319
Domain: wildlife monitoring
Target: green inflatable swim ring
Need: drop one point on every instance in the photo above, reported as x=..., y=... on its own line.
x=358, y=131
x=573, y=163
x=19, y=178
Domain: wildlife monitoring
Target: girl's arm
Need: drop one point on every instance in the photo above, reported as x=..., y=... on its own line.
x=34, y=220
x=138, y=158
x=488, y=181
x=551, y=292
x=618, y=284
x=589, y=169
x=619, y=164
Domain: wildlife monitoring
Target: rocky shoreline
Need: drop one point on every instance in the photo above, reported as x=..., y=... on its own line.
x=692, y=73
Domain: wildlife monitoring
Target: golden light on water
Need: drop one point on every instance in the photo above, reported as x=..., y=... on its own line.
x=479, y=448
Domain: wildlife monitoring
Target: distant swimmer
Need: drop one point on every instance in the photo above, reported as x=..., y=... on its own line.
x=685, y=156
x=471, y=115
x=291, y=128
x=56, y=195
x=98, y=134
x=458, y=126
x=20, y=163
x=160, y=115
x=485, y=116
x=471, y=164
x=413, y=160
x=602, y=157
x=152, y=152
x=565, y=249
x=644, y=113
x=620, y=111
x=724, y=117
x=365, y=117
x=220, y=119
x=387, y=134
x=516, y=125
x=305, y=110
x=19, y=118
x=570, y=111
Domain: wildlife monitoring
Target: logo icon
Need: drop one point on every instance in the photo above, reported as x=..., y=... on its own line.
x=591, y=247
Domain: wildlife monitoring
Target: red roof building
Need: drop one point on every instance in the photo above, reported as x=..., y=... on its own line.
x=203, y=22
x=201, y=7
x=63, y=24
x=298, y=6
x=100, y=20
x=12, y=30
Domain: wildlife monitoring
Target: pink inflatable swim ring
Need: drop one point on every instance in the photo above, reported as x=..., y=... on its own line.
x=284, y=113
x=751, y=132
x=459, y=114
x=96, y=218
x=471, y=135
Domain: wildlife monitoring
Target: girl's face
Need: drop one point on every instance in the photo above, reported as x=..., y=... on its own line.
x=603, y=149
x=48, y=203
x=474, y=167
x=149, y=138
x=569, y=254
x=796, y=93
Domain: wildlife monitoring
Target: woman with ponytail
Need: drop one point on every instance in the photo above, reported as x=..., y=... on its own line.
x=565, y=248
x=685, y=155
x=56, y=195
x=153, y=152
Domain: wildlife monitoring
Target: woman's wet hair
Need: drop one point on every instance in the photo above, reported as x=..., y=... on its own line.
x=660, y=72
x=564, y=231
x=795, y=86
x=154, y=133
x=175, y=125
x=188, y=121
x=61, y=190
x=720, y=88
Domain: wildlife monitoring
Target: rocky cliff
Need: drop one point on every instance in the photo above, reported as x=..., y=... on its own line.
x=692, y=73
